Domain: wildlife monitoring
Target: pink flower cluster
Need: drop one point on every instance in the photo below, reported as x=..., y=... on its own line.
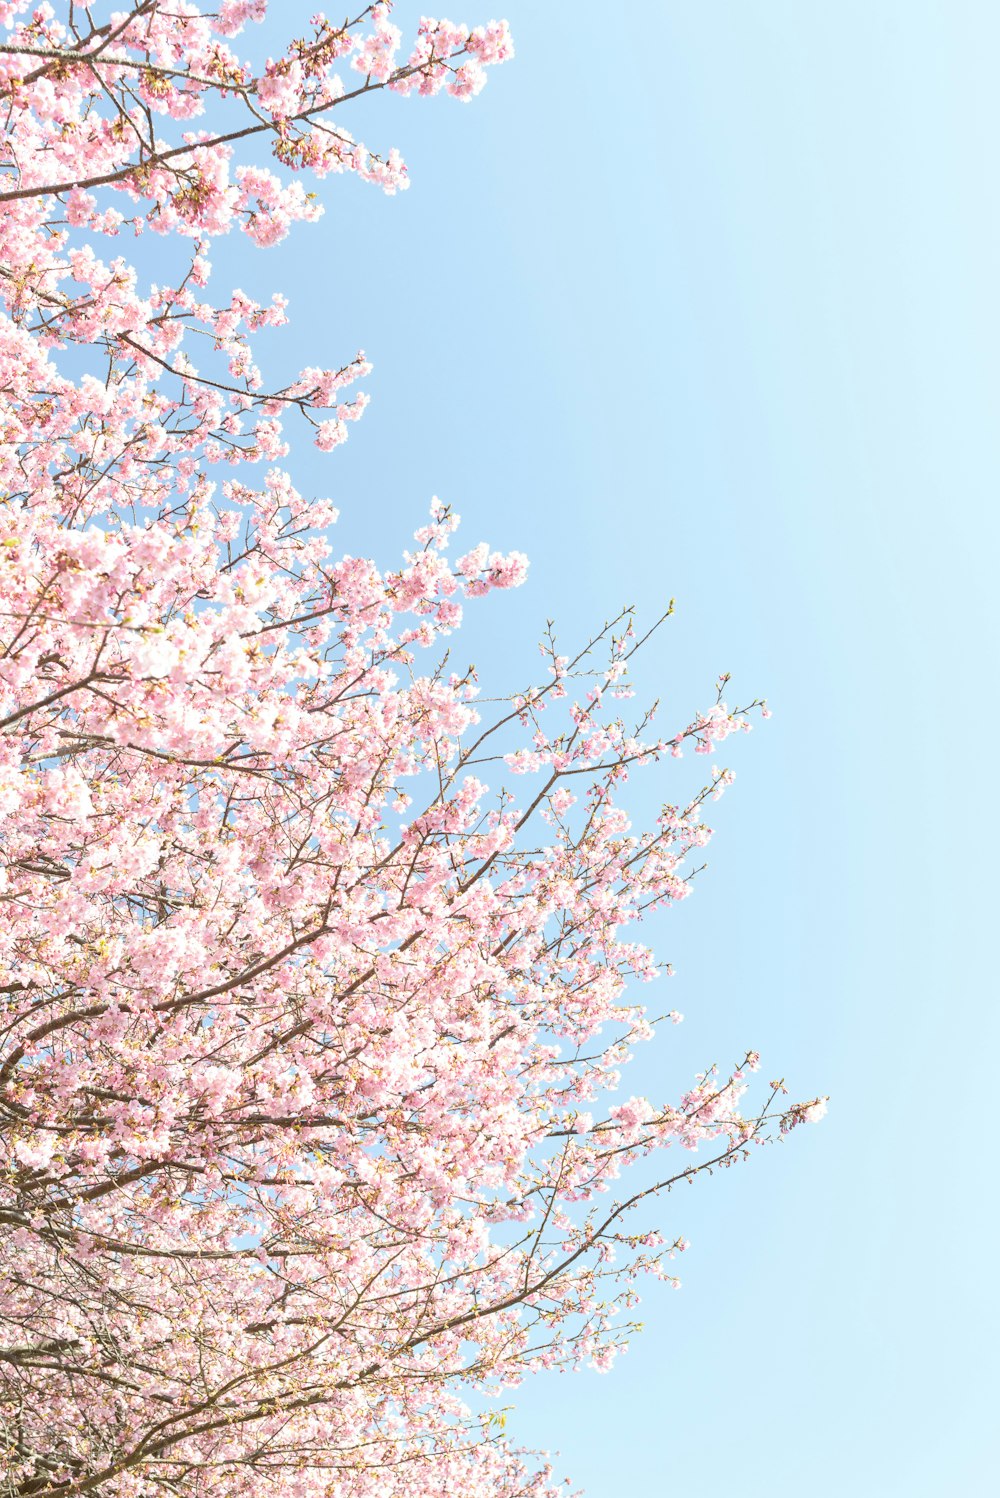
x=310, y=1027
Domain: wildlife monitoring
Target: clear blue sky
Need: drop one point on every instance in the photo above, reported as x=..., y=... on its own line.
x=704, y=300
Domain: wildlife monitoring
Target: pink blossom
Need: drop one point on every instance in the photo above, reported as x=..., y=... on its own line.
x=297, y=1096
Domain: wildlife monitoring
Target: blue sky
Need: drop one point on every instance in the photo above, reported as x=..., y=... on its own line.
x=703, y=301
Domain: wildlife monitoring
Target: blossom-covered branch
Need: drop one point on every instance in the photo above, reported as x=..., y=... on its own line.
x=309, y=1039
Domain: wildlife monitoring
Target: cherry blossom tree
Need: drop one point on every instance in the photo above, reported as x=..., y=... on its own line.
x=315, y=979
